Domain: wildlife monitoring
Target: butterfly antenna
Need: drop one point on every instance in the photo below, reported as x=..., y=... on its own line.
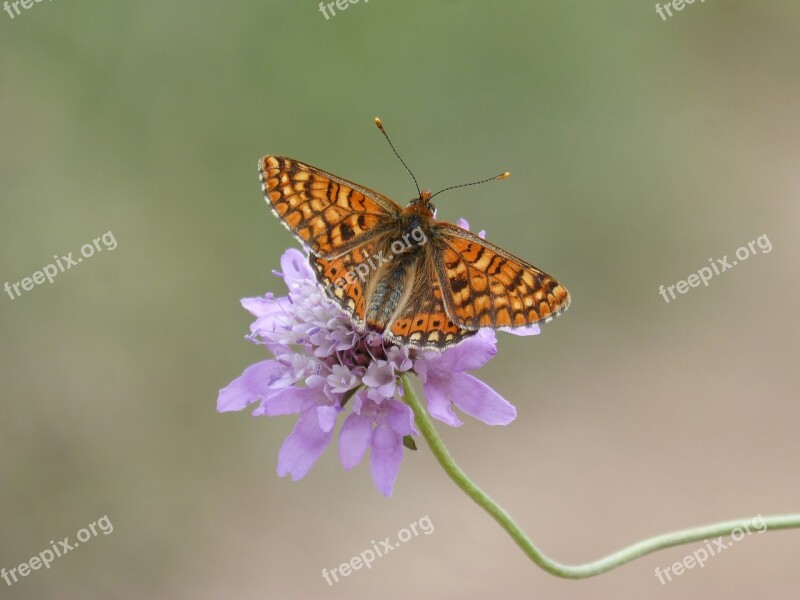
x=383, y=131
x=452, y=187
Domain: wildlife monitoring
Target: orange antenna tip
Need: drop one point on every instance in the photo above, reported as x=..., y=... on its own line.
x=378, y=123
x=505, y=175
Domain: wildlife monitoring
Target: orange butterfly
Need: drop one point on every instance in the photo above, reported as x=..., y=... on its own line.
x=422, y=283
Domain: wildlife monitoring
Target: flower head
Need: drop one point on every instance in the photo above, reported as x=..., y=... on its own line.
x=324, y=367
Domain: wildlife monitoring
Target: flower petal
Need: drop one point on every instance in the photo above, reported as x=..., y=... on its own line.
x=326, y=415
x=253, y=384
x=385, y=459
x=439, y=404
x=464, y=224
x=398, y=357
x=479, y=400
x=270, y=318
x=471, y=354
x=261, y=305
x=288, y=401
x=303, y=447
x=354, y=439
x=401, y=418
x=296, y=269
x=522, y=331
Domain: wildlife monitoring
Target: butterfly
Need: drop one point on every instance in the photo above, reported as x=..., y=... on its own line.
x=422, y=283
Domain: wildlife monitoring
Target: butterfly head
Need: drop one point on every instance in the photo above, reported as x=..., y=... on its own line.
x=422, y=204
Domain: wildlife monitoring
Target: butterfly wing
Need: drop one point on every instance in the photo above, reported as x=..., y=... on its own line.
x=421, y=320
x=398, y=295
x=485, y=286
x=348, y=279
x=329, y=215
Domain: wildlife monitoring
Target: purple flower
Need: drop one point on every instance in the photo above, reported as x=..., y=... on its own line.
x=324, y=367
x=381, y=425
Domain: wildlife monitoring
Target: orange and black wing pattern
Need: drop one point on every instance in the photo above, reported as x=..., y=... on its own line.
x=348, y=279
x=485, y=286
x=328, y=214
x=422, y=320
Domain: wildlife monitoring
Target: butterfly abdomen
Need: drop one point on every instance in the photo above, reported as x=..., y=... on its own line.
x=392, y=290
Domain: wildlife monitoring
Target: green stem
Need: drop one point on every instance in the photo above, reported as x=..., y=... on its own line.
x=590, y=569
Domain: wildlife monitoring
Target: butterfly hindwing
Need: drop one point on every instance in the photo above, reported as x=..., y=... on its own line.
x=422, y=320
x=328, y=214
x=485, y=286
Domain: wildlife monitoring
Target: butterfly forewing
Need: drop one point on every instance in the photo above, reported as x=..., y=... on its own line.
x=486, y=286
x=328, y=214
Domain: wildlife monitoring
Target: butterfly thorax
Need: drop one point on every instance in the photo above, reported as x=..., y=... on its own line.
x=394, y=282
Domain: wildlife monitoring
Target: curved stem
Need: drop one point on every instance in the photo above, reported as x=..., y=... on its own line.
x=593, y=568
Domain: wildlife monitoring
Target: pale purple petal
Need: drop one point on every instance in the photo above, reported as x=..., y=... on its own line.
x=380, y=375
x=522, y=331
x=421, y=366
x=272, y=313
x=401, y=418
x=385, y=459
x=256, y=382
x=471, y=354
x=303, y=447
x=465, y=225
x=358, y=401
x=377, y=395
x=343, y=337
x=261, y=306
x=354, y=439
x=296, y=269
x=341, y=379
x=324, y=346
x=439, y=404
x=287, y=401
x=479, y=400
x=326, y=415
x=398, y=357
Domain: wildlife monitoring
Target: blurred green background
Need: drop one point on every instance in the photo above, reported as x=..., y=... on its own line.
x=638, y=149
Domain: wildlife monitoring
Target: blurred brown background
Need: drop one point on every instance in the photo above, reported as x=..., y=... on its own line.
x=639, y=148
